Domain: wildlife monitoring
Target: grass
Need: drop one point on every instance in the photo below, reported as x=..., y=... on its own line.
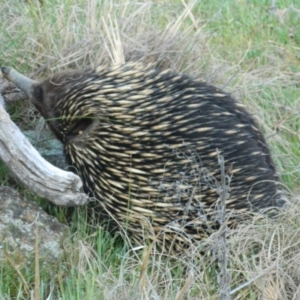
x=246, y=47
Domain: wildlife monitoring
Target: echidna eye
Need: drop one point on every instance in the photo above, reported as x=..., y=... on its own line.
x=81, y=127
x=38, y=93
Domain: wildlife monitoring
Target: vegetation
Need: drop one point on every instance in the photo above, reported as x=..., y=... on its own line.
x=247, y=47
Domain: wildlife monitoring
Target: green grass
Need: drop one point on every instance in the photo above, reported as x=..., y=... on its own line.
x=241, y=46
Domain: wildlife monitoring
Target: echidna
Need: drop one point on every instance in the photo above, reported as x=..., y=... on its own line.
x=146, y=142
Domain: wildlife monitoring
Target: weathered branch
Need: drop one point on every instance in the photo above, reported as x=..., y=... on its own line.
x=10, y=92
x=28, y=167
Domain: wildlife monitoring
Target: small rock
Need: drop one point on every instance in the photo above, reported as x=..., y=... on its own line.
x=19, y=220
x=49, y=147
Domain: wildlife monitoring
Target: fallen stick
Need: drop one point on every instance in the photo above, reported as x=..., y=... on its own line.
x=28, y=167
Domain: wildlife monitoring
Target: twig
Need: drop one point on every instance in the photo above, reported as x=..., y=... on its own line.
x=37, y=265
x=245, y=284
x=223, y=276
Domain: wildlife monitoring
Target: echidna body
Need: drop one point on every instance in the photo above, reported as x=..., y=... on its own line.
x=146, y=142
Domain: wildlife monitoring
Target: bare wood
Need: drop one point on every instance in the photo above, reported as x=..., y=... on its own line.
x=38, y=175
x=10, y=92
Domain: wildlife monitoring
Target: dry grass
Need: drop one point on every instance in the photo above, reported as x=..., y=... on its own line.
x=192, y=37
x=263, y=260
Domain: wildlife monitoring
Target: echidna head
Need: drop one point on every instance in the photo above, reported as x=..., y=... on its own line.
x=48, y=97
x=46, y=94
